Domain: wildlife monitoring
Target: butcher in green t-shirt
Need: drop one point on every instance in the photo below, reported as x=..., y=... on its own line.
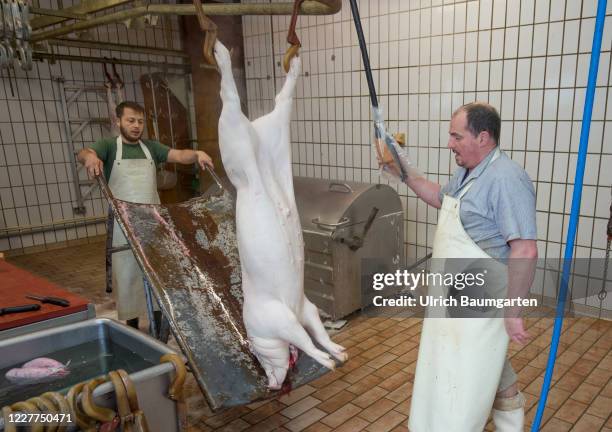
x=101, y=155
x=129, y=166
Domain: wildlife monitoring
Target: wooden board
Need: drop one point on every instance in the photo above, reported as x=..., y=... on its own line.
x=16, y=283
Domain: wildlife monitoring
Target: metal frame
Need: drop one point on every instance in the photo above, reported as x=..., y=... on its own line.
x=309, y=7
x=163, y=333
x=67, y=100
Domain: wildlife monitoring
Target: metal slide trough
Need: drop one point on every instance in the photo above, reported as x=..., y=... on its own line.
x=189, y=254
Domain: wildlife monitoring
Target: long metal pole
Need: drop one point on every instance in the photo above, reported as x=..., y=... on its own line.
x=364, y=53
x=575, y=212
x=309, y=7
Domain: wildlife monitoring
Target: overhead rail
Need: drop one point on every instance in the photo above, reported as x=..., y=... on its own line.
x=42, y=55
x=308, y=7
x=110, y=46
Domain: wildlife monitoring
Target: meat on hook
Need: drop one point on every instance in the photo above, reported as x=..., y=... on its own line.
x=257, y=158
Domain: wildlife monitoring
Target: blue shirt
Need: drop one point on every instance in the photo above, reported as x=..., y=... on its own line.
x=499, y=207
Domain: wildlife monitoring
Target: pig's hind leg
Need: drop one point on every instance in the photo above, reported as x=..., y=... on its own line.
x=312, y=323
x=276, y=330
x=294, y=333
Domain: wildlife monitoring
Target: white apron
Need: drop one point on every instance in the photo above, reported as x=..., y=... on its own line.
x=460, y=360
x=131, y=180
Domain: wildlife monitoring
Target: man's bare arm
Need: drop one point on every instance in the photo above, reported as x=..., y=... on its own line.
x=521, y=272
x=427, y=190
x=187, y=157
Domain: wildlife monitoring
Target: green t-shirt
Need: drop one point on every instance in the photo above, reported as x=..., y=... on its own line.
x=106, y=149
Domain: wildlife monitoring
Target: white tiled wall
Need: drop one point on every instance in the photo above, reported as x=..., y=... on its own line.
x=35, y=176
x=529, y=58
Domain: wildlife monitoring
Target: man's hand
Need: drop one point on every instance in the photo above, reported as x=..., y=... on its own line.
x=204, y=160
x=91, y=162
x=515, y=330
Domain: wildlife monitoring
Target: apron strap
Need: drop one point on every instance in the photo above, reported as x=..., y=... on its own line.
x=465, y=189
x=119, y=155
x=469, y=184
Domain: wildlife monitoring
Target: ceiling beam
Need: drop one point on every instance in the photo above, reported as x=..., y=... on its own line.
x=81, y=9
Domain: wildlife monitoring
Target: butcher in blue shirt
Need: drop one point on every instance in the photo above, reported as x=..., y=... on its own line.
x=488, y=212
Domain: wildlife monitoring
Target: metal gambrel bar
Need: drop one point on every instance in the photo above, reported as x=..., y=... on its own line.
x=309, y=7
x=49, y=56
x=116, y=47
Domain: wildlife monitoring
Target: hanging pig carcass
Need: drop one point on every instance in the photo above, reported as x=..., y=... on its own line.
x=257, y=158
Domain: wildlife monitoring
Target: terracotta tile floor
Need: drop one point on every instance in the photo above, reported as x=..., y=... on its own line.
x=372, y=391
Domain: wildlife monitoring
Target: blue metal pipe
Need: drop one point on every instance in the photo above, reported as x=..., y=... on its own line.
x=577, y=195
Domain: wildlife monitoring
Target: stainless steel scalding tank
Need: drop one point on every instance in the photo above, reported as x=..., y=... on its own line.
x=344, y=223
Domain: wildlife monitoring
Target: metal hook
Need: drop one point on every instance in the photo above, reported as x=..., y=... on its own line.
x=23, y=55
x=2, y=35
x=109, y=79
x=210, y=28
x=291, y=52
x=4, y=59
x=26, y=28
x=209, y=45
x=16, y=19
x=292, y=37
x=118, y=81
x=20, y=56
x=9, y=25
x=28, y=65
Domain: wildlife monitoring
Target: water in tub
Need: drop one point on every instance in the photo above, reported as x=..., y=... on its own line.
x=85, y=361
